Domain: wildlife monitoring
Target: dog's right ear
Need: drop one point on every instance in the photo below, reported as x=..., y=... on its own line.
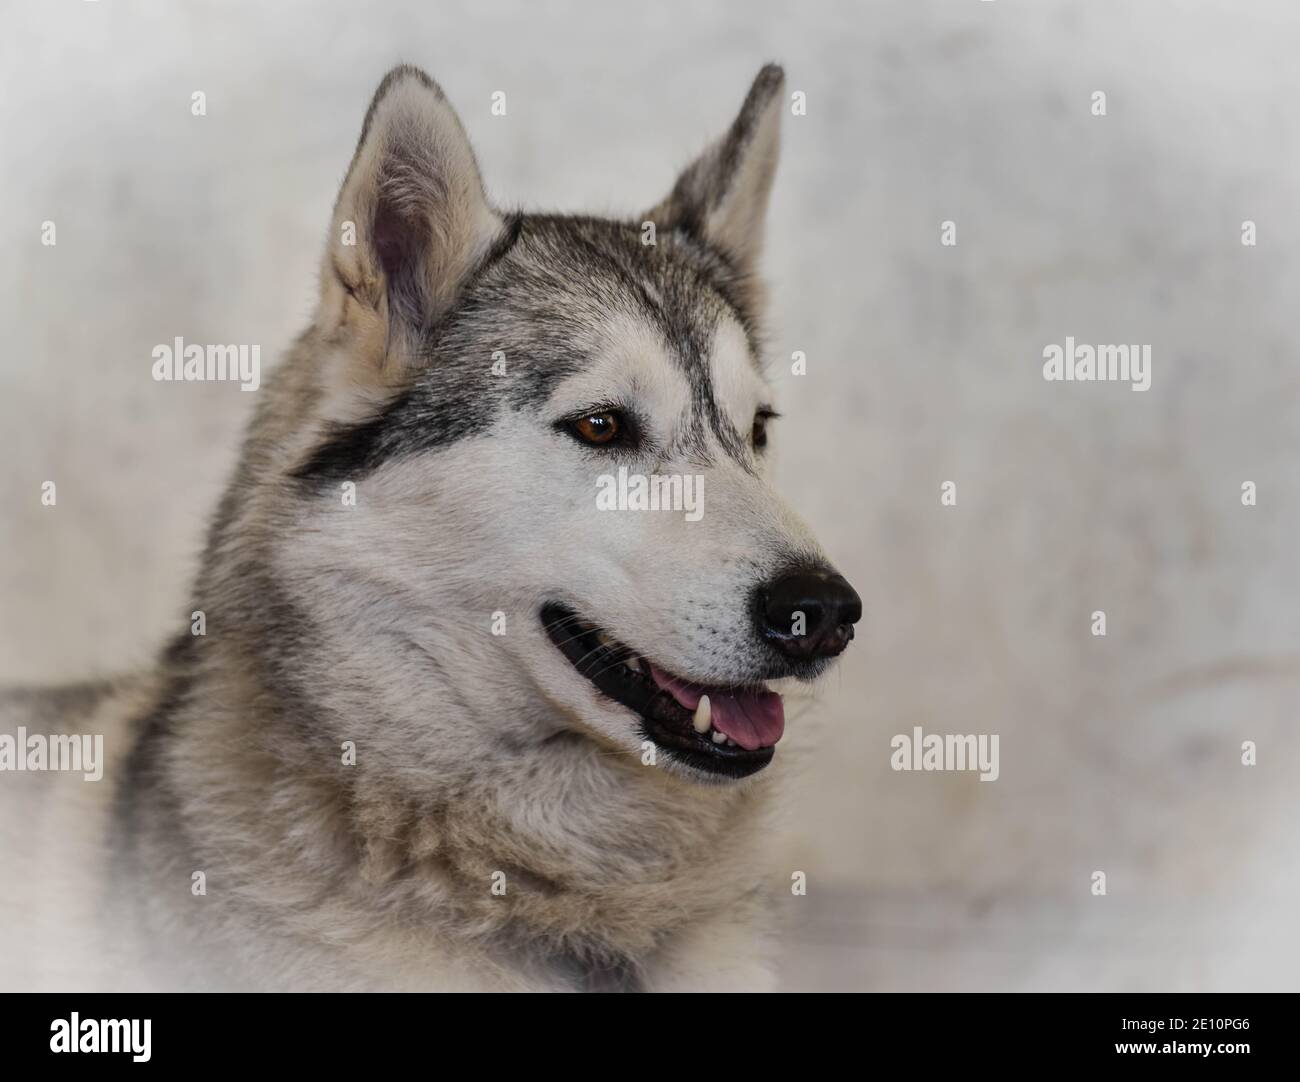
x=410, y=225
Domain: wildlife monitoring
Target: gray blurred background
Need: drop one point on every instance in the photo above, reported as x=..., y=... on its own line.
x=1120, y=754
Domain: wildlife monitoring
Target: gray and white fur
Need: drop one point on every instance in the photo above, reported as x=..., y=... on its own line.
x=482, y=760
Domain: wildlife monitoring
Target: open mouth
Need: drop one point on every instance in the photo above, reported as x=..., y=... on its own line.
x=729, y=731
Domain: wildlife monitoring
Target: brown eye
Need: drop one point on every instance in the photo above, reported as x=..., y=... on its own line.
x=758, y=437
x=600, y=429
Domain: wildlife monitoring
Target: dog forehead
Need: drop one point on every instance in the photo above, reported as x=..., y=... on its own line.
x=634, y=352
x=590, y=277
x=625, y=357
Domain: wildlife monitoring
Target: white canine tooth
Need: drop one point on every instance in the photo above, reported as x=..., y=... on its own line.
x=718, y=737
x=703, y=714
x=633, y=664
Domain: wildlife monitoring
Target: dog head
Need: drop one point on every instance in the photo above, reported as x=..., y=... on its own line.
x=553, y=432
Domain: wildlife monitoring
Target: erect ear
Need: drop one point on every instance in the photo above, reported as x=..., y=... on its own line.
x=411, y=221
x=721, y=198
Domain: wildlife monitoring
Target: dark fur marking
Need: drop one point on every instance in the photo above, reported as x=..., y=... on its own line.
x=351, y=451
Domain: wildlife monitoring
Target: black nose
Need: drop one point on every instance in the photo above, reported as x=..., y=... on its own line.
x=809, y=613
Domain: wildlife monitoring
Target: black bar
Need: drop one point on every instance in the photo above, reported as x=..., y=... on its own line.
x=334, y=1031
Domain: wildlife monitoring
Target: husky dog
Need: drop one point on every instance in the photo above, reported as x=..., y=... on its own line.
x=453, y=724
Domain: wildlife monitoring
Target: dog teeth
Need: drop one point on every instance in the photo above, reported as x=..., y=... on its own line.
x=703, y=715
x=719, y=738
x=633, y=664
x=604, y=639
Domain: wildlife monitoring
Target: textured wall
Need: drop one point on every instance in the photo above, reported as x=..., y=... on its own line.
x=1118, y=753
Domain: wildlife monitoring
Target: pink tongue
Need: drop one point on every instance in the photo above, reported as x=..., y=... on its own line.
x=753, y=719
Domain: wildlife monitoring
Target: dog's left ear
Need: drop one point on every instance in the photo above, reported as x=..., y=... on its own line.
x=721, y=198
